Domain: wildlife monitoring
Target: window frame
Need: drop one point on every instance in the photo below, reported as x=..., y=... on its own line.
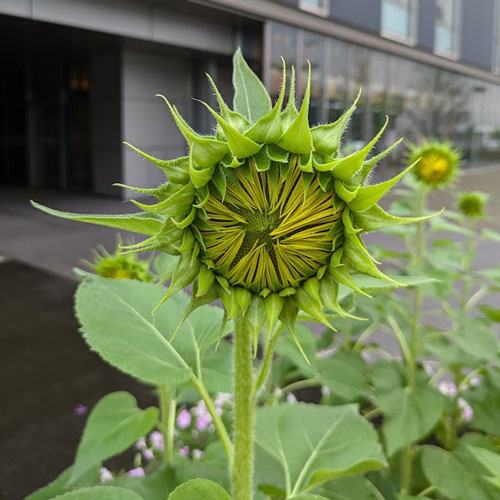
x=411, y=39
x=457, y=31
x=495, y=63
x=323, y=11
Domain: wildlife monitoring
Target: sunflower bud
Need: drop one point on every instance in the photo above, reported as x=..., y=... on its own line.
x=438, y=163
x=266, y=214
x=472, y=204
x=117, y=265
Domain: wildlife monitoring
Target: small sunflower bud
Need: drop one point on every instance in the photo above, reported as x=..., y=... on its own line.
x=472, y=204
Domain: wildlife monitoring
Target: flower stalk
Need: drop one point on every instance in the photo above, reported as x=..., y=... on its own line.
x=244, y=415
x=167, y=413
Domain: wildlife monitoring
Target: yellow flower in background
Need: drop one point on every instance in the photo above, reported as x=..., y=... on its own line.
x=438, y=164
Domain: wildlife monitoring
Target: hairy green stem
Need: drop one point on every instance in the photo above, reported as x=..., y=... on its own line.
x=301, y=384
x=218, y=423
x=469, y=248
x=417, y=260
x=244, y=413
x=167, y=415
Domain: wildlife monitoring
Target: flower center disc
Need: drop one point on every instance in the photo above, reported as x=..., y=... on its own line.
x=270, y=232
x=433, y=167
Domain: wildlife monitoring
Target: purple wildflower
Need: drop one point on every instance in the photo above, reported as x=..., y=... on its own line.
x=184, y=451
x=447, y=388
x=137, y=472
x=467, y=411
x=203, y=422
x=80, y=410
x=184, y=419
x=197, y=454
x=156, y=440
x=148, y=455
x=140, y=444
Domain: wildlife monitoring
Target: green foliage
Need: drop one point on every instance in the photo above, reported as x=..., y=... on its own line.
x=199, y=488
x=300, y=446
x=113, y=426
x=100, y=493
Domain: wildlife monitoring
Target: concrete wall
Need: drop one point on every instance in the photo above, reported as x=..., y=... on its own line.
x=477, y=32
x=425, y=24
x=133, y=19
x=106, y=123
x=359, y=13
x=145, y=120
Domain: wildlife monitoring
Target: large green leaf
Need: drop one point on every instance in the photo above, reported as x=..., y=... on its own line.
x=142, y=223
x=250, y=96
x=299, y=446
x=476, y=338
x=197, y=489
x=100, y=493
x=485, y=403
x=153, y=486
x=452, y=479
x=409, y=413
x=350, y=488
x=113, y=425
x=60, y=484
x=117, y=322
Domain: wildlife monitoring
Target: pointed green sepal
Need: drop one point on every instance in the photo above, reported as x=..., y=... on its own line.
x=311, y=307
x=273, y=304
x=261, y=160
x=228, y=298
x=235, y=119
x=329, y=290
x=276, y=153
x=206, y=279
x=177, y=170
x=341, y=275
x=369, y=195
x=345, y=192
x=199, y=176
x=243, y=296
x=178, y=204
x=371, y=162
x=268, y=129
x=297, y=137
x=185, y=272
x=347, y=221
x=288, y=317
x=364, y=264
x=326, y=138
x=240, y=145
x=205, y=151
x=255, y=318
x=376, y=218
x=186, y=221
x=219, y=180
x=344, y=168
x=141, y=223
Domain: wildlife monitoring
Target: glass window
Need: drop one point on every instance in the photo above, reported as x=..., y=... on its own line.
x=283, y=44
x=336, y=79
x=447, y=28
x=319, y=7
x=312, y=51
x=399, y=19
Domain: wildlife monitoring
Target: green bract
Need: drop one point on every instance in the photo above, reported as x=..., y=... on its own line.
x=267, y=214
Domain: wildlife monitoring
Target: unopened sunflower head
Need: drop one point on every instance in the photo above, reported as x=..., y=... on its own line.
x=472, y=204
x=117, y=265
x=266, y=214
x=438, y=165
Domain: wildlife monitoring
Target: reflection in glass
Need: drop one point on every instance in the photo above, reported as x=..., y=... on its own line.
x=398, y=19
x=313, y=50
x=335, y=79
x=283, y=44
x=446, y=33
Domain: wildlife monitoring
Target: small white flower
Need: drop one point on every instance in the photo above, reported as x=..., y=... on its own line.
x=290, y=397
x=325, y=391
x=197, y=454
x=447, y=388
x=467, y=411
x=105, y=475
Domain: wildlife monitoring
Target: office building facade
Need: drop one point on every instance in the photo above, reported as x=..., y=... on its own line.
x=79, y=76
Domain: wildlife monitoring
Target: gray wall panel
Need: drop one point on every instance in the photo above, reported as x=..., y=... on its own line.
x=477, y=32
x=357, y=13
x=425, y=24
